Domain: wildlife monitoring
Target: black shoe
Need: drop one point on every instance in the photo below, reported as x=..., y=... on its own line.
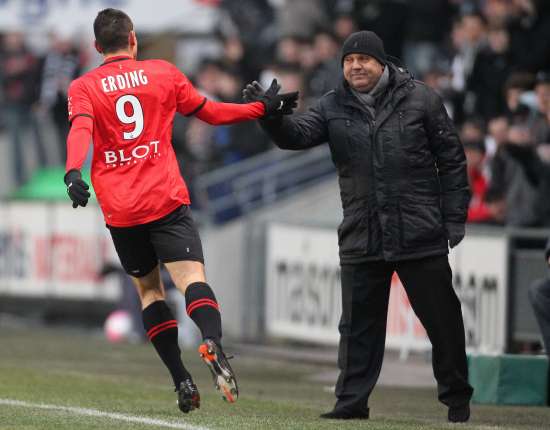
x=224, y=377
x=347, y=414
x=459, y=414
x=188, y=396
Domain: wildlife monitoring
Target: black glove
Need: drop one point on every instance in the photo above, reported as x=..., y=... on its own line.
x=77, y=189
x=275, y=104
x=455, y=232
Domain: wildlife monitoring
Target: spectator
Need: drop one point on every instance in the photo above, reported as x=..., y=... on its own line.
x=538, y=121
x=234, y=58
x=239, y=141
x=478, y=209
x=18, y=70
x=343, y=26
x=301, y=18
x=59, y=67
x=513, y=182
x=491, y=68
x=423, y=49
x=253, y=23
x=289, y=50
x=497, y=12
x=529, y=27
x=387, y=18
x=517, y=84
x=498, y=135
x=325, y=75
x=468, y=36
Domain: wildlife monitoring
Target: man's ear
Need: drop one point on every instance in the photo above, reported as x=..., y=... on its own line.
x=132, y=39
x=97, y=47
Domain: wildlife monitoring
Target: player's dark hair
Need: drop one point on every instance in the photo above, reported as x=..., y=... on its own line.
x=111, y=29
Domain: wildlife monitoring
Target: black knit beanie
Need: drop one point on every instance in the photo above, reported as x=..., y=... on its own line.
x=364, y=42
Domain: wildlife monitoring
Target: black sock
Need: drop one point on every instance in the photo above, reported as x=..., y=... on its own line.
x=203, y=309
x=162, y=331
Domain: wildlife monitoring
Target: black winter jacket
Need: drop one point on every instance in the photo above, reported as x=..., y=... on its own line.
x=402, y=174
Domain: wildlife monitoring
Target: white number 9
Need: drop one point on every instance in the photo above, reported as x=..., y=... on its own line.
x=136, y=117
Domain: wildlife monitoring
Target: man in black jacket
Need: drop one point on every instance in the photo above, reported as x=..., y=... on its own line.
x=404, y=191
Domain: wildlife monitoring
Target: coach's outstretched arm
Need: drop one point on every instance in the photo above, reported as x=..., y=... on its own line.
x=295, y=132
x=78, y=142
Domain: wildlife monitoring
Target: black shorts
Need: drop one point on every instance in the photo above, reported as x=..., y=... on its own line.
x=173, y=237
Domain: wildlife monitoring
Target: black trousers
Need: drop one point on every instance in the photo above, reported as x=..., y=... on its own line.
x=365, y=296
x=539, y=296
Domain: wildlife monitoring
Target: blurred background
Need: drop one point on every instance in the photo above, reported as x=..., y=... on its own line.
x=268, y=218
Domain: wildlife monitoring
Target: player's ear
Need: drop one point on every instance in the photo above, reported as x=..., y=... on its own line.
x=132, y=39
x=97, y=47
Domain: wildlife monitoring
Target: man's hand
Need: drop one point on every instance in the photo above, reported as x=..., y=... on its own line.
x=275, y=104
x=455, y=233
x=77, y=189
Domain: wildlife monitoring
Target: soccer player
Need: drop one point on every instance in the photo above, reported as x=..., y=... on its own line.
x=127, y=108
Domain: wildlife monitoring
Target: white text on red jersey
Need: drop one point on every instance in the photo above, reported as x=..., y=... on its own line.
x=123, y=81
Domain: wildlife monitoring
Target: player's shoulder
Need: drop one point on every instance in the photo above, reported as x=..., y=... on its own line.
x=159, y=65
x=80, y=82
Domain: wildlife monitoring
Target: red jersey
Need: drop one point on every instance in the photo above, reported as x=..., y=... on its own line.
x=132, y=103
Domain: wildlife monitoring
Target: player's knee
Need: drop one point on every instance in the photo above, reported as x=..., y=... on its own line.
x=188, y=279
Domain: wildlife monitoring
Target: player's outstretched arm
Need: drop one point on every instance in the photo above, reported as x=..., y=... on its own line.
x=78, y=143
x=267, y=105
x=191, y=102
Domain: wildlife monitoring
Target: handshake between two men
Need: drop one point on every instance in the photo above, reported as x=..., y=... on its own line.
x=275, y=104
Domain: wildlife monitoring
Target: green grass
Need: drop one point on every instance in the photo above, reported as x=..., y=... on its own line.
x=81, y=370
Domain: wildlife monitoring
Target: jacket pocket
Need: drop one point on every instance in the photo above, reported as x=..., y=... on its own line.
x=420, y=222
x=339, y=128
x=353, y=235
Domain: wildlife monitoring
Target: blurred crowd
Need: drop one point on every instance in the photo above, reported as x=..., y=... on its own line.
x=488, y=59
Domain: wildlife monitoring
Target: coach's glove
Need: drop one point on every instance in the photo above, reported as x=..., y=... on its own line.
x=77, y=189
x=455, y=232
x=275, y=104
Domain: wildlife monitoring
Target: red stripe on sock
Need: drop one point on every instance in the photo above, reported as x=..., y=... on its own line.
x=200, y=303
x=160, y=330
x=161, y=325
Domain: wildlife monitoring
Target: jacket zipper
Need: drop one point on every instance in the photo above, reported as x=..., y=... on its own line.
x=401, y=125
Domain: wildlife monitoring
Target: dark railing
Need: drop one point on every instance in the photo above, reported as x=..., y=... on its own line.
x=235, y=190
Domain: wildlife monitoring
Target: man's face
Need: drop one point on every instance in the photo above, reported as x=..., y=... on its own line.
x=542, y=90
x=362, y=71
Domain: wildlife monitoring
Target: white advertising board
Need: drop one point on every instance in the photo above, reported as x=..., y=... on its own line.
x=49, y=250
x=480, y=278
x=71, y=17
x=303, y=296
x=303, y=283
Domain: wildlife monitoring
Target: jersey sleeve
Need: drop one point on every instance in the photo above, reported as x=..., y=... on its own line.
x=78, y=141
x=188, y=99
x=79, y=103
